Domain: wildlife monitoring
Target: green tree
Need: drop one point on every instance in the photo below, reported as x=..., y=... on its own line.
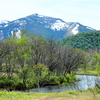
x=40, y=72
x=96, y=61
x=37, y=49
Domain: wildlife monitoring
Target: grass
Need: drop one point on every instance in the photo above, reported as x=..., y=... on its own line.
x=67, y=95
x=88, y=72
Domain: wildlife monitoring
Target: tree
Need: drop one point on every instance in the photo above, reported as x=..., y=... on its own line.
x=37, y=49
x=9, y=57
x=71, y=60
x=53, y=55
x=40, y=72
x=23, y=60
x=22, y=52
x=96, y=61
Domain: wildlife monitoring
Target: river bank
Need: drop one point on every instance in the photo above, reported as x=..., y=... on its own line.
x=86, y=81
x=67, y=95
x=89, y=94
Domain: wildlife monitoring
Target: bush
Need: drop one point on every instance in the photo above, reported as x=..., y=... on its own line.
x=97, y=90
x=11, y=83
x=71, y=78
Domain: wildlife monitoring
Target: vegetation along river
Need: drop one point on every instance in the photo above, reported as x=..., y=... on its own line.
x=86, y=81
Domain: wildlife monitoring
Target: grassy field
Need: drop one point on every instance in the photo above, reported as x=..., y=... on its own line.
x=67, y=95
x=88, y=72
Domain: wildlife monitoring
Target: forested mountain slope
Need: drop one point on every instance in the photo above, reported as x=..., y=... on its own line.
x=83, y=40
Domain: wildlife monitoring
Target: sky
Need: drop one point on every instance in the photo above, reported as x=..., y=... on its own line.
x=85, y=12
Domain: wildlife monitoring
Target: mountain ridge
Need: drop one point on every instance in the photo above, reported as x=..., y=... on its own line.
x=43, y=25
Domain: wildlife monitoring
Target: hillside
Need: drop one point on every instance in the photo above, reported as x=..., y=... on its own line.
x=83, y=40
x=43, y=25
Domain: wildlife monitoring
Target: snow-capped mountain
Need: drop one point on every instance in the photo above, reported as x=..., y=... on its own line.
x=44, y=25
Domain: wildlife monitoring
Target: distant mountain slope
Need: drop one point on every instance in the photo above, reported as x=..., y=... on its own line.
x=44, y=25
x=83, y=40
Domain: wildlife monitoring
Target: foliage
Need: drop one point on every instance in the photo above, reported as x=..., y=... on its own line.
x=10, y=84
x=40, y=71
x=83, y=40
x=32, y=61
x=96, y=61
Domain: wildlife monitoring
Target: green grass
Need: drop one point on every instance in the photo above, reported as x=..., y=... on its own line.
x=67, y=95
x=88, y=72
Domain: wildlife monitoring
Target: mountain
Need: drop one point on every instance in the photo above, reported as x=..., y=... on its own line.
x=83, y=40
x=44, y=25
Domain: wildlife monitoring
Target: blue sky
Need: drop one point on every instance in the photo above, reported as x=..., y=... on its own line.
x=85, y=12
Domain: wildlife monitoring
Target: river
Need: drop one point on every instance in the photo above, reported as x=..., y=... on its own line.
x=86, y=81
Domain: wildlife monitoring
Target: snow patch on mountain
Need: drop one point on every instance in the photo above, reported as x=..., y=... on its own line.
x=1, y=35
x=75, y=29
x=41, y=22
x=89, y=28
x=72, y=25
x=3, y=21
x=18, y=34
x=45, y=21
x=6, y=25
x=59, y=25
x=40, y=15
x=21, y=22
x=17, y=21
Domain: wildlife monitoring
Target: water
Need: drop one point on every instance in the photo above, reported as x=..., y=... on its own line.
x=86, y=81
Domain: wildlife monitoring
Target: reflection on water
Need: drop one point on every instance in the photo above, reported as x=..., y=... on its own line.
x=86, y=81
